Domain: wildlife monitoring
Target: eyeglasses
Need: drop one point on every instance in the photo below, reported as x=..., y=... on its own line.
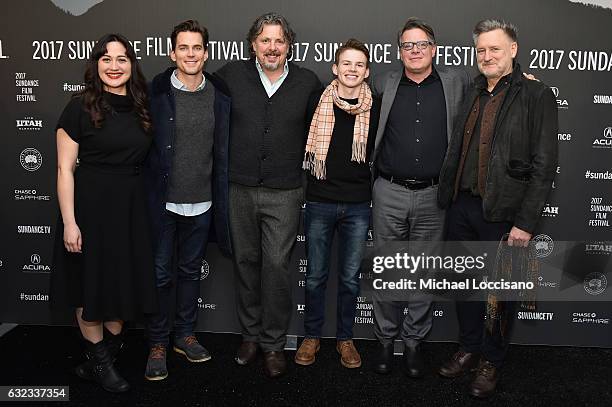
x=408, y=45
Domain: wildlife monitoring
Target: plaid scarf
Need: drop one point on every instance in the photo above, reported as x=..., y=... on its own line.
x=322, y=127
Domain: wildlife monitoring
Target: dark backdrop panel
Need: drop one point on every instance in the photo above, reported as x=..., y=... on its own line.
x=43, y=45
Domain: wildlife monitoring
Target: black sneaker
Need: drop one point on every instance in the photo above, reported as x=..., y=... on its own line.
x=156, y=363
x=191, y=348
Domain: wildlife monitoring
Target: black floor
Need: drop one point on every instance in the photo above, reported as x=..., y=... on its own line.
x=533, y=376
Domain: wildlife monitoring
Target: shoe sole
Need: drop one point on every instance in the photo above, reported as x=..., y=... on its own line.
x=347, y=364
x=156, y=378
x=350, y=365
x=182, y=352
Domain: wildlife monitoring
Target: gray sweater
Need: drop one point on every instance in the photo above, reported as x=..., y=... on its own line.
x=192, y=161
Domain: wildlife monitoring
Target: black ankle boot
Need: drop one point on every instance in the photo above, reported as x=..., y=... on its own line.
x=114, y=344
x=104, y=372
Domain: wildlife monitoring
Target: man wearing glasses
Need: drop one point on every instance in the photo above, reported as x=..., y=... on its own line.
x=419, y=105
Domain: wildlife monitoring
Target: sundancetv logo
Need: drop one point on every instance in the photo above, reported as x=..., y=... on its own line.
x=34, y=229
x=537, y=316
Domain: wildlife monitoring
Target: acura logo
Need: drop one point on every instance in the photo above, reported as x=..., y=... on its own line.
x=608, y=132
x=35, y=259
x=555, y=91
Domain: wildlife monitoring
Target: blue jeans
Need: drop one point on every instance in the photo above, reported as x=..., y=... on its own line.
x=186, y=236
x=321, y=220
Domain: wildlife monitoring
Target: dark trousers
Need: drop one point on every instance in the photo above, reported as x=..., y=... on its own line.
x=321, y=220
x=188, y=236
x=465, y=222
x=264, y=225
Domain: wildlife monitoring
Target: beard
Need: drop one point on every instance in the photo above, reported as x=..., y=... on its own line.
x=271, y=66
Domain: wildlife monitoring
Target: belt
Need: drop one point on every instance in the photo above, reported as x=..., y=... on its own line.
x=410, y=183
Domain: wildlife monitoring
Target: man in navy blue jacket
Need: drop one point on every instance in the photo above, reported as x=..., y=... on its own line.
x=187, y=180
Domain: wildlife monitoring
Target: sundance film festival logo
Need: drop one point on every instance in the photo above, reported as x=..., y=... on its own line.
x=35, y=265
x=561, y=103
x=595, y=283
x=29, y=123
x=550, y=211
x=544, y=245
x=589, y=318
x=204, y=270
x=605, y=141
x=30, y=195
x=30, y=159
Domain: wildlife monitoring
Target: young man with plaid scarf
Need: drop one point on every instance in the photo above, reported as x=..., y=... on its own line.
x=338, y=197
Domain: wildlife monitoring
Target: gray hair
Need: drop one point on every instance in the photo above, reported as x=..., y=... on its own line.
x=491, y=24
x=273, y=19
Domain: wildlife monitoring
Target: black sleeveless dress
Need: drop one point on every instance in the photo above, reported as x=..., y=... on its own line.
x=113, y=278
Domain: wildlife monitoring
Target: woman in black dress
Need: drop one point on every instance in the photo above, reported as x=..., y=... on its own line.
x=103, y=262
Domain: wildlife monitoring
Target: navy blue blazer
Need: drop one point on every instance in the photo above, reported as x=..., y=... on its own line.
x=158, y=164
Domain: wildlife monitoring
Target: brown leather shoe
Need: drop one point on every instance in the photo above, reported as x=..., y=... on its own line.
x=459, y=364
x=349, y=357
x=275, y=364
x=247, y=353
x=305, y=355
x=485, y=381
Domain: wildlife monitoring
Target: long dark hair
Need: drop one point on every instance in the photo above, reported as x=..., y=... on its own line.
x=92, y=95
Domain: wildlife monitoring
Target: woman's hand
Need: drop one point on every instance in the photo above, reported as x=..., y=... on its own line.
x=72, y=238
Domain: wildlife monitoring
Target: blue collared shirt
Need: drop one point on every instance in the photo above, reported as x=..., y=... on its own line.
x=187, y=209
x=270, y=87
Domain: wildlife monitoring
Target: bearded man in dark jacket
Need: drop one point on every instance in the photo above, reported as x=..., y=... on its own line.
x=495, y=180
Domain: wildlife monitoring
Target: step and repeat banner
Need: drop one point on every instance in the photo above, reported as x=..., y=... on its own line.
x=565, y=44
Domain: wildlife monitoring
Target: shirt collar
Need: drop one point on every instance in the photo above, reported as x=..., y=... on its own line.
x=176, y=82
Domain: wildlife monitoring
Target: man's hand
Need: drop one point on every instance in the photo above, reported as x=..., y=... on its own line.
x=518, y=237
